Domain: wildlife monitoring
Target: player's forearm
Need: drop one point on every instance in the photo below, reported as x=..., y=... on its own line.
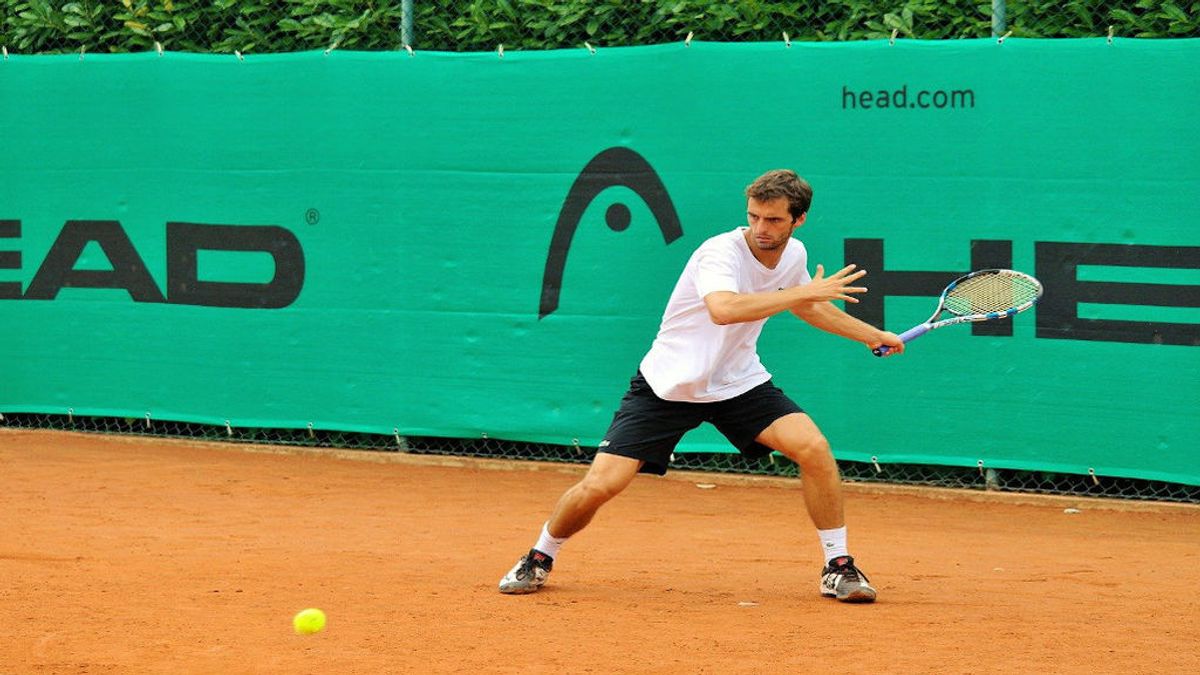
x=831, y=319
x=726, y=307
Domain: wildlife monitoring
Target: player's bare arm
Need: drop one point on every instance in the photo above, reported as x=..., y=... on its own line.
x=831, y=319
x=727, y=307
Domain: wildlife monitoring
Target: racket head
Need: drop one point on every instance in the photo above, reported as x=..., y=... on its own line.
x=989, y=294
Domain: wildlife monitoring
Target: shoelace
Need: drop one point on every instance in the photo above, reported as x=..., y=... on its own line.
x=526, y=570
x=850, y=572
x=528, y=564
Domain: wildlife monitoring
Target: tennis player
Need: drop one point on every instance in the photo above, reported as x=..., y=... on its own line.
x=704, y=367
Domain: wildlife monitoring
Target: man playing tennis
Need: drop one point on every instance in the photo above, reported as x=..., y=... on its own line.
x=703, y=367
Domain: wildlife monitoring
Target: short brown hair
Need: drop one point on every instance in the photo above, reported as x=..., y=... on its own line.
x=782, y=183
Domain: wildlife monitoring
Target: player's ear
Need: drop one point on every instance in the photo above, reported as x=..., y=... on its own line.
x=800, y=219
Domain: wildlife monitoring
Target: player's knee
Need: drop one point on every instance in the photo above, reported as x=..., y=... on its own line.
x=598, y=490
x=809, y=451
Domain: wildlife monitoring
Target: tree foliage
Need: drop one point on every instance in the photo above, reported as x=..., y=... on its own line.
x=49, y=26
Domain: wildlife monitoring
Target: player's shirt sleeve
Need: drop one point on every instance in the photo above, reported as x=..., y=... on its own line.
x=716, y=270
x=801, y=268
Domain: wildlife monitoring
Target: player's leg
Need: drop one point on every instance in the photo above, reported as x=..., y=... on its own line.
x=607, y=477
x=644, y=431
x=797, y=437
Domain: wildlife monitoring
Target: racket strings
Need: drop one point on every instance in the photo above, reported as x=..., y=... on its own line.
x=992, y=293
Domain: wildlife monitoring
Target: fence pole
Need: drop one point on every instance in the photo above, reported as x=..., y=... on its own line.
x=999, y=20
x=406, y=23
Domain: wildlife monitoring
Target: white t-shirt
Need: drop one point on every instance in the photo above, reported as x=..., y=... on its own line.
x=692, y=358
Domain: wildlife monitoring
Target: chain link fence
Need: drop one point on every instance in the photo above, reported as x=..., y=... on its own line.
x=979, y=478
x=261, y=26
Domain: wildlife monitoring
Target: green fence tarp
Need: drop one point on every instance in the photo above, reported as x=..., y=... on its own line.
x=378, y=241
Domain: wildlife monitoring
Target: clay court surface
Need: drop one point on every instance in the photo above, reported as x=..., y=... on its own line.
x=147, y=555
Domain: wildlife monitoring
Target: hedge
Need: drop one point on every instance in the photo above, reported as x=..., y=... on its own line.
x=43, y=26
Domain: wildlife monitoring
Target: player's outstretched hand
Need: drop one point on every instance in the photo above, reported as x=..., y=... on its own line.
x=836, y=286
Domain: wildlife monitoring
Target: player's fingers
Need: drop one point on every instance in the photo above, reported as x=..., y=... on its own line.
x=846, y=270
x=848, y=298
x=820, y=271
x=854, y=289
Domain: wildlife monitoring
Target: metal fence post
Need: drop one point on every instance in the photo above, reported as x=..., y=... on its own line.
x=406, y=23
x=999, y=18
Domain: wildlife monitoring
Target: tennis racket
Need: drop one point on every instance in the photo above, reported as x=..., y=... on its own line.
x=984, y=295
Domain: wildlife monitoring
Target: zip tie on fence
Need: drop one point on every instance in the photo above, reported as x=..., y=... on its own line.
x=147, y=420
x=1092, y=473
x=409, y=49
x=786, y=41
x=1000, y=40
x=71, y=416
x=158, y=47
x=5, y=50
x=238, y=55
x=575, y=444
x=484, y=436
x=589, y=46
x=980, y=465
x=399, y=441
x=500, y=51
x=332, y=47
x=687, y=41
x=895, y=32
x=875, y=461
x=228, y=429
x=1110, y=34
x=310, y=431
x=81, y=51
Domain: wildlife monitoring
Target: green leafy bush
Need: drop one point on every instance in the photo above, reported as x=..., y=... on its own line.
x=48, y=26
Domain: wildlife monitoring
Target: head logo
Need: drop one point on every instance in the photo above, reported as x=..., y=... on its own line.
x=611, y=168
x=184, y=286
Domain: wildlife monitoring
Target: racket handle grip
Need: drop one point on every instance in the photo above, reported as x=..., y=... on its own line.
x=905, y=337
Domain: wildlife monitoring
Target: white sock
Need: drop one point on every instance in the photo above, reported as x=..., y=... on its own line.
x=547, y=544
x=833, y=543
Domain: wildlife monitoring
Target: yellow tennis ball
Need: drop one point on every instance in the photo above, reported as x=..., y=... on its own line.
x=308, y=621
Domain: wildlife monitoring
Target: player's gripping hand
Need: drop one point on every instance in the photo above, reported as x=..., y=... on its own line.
x=890, y=340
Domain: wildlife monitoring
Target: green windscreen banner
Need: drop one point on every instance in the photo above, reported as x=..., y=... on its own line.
x=456, y=245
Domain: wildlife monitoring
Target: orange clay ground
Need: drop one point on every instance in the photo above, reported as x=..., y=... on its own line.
x=129, y=555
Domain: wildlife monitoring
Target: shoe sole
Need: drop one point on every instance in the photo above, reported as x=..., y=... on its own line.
x=860, y=596
x=520, y=590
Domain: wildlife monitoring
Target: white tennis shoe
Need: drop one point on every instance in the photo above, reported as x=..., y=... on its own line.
x=841, y=579
x=528, y=575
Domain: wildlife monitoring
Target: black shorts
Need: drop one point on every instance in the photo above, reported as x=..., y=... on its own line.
x=648, y=428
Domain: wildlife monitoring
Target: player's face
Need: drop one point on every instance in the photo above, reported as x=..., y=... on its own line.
x=771, y=225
